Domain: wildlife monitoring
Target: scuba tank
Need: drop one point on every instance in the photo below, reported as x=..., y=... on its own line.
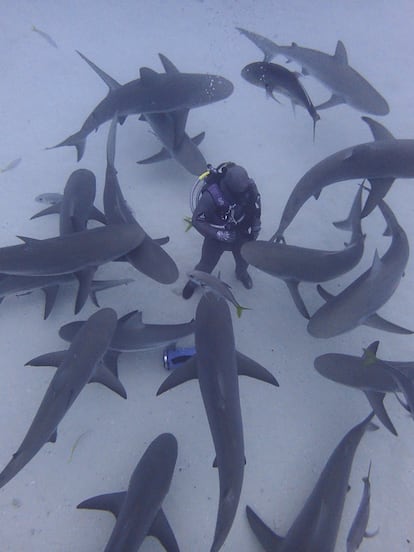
x=204, y=179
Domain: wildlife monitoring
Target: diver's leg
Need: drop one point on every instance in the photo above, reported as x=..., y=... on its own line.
x=241, y=266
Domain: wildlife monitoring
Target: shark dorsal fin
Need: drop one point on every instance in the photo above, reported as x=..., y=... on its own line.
x=148, y=76
x=294, y=45
x=109, y=81
x=340, y=53
x=132, y=320
x=111, y=502
x=378, y=130
x=371, y=350
x=376, y=263
x=168, y=65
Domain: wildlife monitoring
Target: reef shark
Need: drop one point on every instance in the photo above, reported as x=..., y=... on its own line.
x=138, y=510
x=216, y=365
x=75, y=206
x=275, y=78
x=316, y=527
x=149, y=258
x=75, y=209
x=169, y=128
x=133, y=335
x=77, y=366
x=152, y=93
x=380, y=162
x=12, y=284
x=346, y=84
x=295, y=264
x=71, y=252
x=367, y=373
x=358, y=303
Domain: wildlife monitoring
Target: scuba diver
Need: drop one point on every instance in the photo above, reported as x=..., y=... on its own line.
x=227, y=213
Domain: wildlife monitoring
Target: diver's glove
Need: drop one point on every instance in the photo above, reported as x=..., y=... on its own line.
x=227, y=236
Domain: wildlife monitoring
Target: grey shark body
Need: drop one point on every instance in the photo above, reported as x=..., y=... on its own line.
x=316, y=527
x=75, y=206
x=346, y=84
x=169, y=128
x=358, y=303
x=216, y=365
x=78, y=366
x=138, y=510
x=295, y=264
x=75, y=209
x=71, y=252
x=149, y=258
x=132, y=334
x=12, y=284
x=276, y=78
x=152, y=93
x=380, y=162
x=367, y=373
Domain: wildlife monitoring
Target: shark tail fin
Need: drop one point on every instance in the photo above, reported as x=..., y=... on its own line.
x=78, y=140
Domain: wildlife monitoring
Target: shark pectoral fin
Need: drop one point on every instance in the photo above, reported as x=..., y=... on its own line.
x=305, y=72
x=109, y=81
x=162, y=241
x=248, y=367
x=376, y=321
x=28, y=241
x=376, y=400
x=379, y=189
x=96, y=214
x=50, y=298
x=332, y=102
x=111, y=502
x=185, y=372
x=53, y=437
x=49, y=359
x=110, y=360
x=161, y=530
x=85, y=278
x=52, y=210
x=297, y=299
x=162, y=155
x=323, y=293
x=121, y=119
x=132, y=320
x=101, y=285
x=198, y=139
x=267, y=538
x=104, y=376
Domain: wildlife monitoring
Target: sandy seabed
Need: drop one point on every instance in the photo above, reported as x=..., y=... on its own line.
x=46, y=94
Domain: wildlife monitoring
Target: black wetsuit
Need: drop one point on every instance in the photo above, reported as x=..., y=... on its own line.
x=218, y=212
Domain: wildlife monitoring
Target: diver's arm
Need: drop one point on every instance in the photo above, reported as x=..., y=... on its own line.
x=202, y=220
